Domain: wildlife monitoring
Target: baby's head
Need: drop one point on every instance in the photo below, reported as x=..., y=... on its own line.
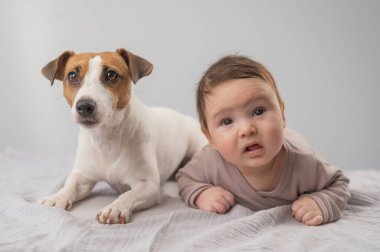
x=231, y=68
x=241, y=112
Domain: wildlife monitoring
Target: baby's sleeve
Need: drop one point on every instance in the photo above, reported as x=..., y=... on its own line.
x=195, y=176
x=331, y=192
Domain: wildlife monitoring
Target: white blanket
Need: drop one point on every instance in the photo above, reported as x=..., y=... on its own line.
x=170, y=226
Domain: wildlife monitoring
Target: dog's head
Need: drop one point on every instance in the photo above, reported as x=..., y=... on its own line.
x=96, y=85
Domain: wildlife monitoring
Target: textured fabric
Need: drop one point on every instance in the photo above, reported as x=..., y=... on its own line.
x=305, y=173
x=170, y=226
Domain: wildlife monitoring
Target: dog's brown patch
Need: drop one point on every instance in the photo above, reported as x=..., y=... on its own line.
x=77, y=63
x=121, y=88
x=128, y=66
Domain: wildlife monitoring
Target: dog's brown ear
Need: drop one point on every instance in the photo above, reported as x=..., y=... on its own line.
x=54, y=69
x=138, y=66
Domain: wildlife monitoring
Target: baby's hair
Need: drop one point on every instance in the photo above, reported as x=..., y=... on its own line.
x=230, y=68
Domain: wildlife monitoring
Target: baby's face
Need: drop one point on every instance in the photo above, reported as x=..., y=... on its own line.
x=245, y=122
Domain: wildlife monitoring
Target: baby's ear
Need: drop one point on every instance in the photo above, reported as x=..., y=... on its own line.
x=282, y=106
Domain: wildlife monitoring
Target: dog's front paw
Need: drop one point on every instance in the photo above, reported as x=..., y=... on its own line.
x=57, y=201
x=114, y=213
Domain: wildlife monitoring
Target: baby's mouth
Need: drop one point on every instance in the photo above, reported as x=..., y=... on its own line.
x=253, y=147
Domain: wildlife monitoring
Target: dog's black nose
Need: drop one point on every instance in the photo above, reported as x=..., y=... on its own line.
x=85, y=107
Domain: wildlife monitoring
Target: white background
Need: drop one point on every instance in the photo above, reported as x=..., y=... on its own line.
x=324, y=56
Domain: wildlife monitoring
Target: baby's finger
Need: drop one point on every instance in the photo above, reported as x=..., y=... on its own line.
x=229, y=198
x=295, y=207
x=317, y=220
x=221, y=207
x=309, y=215
x=300, y=213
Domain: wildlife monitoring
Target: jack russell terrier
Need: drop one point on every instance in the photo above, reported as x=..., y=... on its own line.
x=134, y=148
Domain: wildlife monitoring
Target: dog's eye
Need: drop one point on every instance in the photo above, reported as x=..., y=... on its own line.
x=111, y=76
x=72, y=77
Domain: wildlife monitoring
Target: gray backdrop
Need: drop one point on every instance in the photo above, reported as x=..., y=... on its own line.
x=324, y=55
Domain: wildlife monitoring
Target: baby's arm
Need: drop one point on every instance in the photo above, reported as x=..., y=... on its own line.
x=332, y=198
x=328, y=198
x=305, y=209
x=197, y=182
x=322, y=188
x=215, y=199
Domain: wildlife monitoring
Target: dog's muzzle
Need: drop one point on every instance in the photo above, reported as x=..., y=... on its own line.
x=86, y=109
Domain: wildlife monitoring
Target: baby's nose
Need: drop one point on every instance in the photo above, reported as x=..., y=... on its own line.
x=247, y=128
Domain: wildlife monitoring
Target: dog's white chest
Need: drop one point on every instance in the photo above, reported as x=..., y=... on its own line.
x=100, y=154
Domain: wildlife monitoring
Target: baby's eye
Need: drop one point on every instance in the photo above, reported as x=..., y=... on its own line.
x=226, y=121
x=258, y=111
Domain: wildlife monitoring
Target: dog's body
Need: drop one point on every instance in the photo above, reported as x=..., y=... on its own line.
x=132, y=147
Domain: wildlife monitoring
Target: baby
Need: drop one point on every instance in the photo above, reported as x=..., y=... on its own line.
x=252, y=158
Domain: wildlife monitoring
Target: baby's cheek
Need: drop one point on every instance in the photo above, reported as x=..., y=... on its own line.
x=228, y=151
x=277, y=133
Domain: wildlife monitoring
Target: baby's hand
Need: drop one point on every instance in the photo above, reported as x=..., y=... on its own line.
x=305, y=209
x=215, y=200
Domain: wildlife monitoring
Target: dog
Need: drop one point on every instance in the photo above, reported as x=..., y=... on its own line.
x=131, y=146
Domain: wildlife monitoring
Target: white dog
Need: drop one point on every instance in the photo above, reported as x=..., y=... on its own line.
x=134, y=148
